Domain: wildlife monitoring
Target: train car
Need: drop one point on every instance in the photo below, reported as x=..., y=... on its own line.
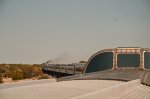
x=63, y=69
x=57, y=67
x=70, y=69
x=79, y=68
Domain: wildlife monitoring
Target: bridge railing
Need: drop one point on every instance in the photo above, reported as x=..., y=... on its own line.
x=145, y=78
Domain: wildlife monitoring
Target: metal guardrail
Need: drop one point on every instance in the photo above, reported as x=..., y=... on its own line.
x=145, y=78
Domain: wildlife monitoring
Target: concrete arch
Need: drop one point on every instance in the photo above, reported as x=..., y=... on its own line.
x=101, y=60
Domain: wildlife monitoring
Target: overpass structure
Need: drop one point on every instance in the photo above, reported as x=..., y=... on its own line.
x=112, y=59
x=122, y=63
x=119, y=57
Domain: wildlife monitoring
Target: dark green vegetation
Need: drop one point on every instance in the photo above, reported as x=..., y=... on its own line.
x=19, y=71
x=100, y=62
x=128, y=60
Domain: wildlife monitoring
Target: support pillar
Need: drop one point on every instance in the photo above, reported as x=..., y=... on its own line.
x=115, y=60
x=142, y=60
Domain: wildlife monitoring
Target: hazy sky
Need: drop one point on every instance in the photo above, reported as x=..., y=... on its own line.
x=33, y=31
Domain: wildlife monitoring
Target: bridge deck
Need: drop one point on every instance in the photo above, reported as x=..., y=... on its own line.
x=124, y=74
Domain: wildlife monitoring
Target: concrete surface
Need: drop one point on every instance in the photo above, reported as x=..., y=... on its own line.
x=128, y=90
x=76, y=89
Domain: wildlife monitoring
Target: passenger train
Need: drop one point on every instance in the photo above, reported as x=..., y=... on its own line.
x=69, y=69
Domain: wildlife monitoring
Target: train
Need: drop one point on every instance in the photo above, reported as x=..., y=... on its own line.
x=68, y=69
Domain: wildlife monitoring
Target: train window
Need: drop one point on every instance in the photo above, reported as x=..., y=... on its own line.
x=128, y=60
x=100, y=62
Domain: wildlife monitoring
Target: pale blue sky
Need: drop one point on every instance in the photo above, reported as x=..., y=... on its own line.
x=33, y=31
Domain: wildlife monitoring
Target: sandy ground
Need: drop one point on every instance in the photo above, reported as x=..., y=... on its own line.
x=9, y=80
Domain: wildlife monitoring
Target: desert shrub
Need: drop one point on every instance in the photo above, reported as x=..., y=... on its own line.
x=37, y=70
x=20, y=71
x=2, y=68
x=82, y=61
x=17, y=75
x=43, y=76
x=1, y=79
x=26, y=71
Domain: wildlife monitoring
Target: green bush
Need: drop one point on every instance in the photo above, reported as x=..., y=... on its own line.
x=44, y=76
